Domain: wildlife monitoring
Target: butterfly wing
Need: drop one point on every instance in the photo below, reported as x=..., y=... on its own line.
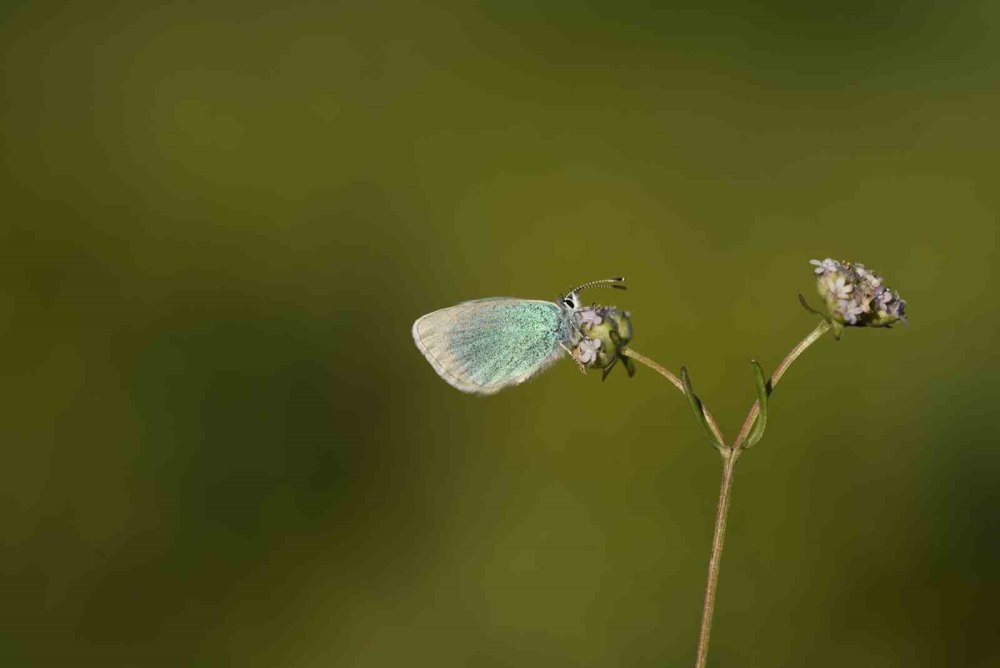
x=486, y=345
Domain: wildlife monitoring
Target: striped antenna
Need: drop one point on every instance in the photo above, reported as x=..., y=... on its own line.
x=609, y=282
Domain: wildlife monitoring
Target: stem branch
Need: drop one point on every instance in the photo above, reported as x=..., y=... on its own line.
x=730, y=454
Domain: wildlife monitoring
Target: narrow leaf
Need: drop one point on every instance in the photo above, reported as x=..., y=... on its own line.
x=697, y=407
x=806, y=306
x=608, y=368
x=760, y=382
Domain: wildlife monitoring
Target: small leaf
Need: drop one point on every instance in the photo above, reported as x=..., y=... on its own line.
x=760, y=382
x=698, y=410
x=629, y=366
x=608, y=368
x=805, y=305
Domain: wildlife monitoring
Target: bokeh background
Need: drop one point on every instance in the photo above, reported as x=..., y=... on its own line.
x=220, y=446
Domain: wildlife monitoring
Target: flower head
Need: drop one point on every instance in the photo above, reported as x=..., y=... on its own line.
x=606, y=331
x=856, y=296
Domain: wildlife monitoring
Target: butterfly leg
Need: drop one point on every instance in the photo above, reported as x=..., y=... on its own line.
x=579, y=364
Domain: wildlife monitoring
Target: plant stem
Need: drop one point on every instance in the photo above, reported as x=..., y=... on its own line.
x=730, y=454
x=822, y=328
x=676, y=382
x=718, y=539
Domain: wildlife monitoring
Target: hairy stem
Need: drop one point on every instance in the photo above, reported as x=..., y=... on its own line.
x=730, y=454
x=715, y=561
x=676, y=382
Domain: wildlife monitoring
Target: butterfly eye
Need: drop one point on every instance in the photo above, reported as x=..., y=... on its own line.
x=569, y=302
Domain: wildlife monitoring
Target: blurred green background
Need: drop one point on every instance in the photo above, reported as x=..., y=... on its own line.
x=222, y=448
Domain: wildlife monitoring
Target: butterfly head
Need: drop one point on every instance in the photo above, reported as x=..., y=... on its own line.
x=571, y=300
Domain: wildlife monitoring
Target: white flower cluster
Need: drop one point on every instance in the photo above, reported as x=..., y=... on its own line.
x=856, y=296
x=604, y=330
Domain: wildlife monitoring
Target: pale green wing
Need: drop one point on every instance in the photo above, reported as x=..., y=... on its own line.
x=486, y=345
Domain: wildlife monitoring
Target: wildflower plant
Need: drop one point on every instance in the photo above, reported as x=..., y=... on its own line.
x=853, y=296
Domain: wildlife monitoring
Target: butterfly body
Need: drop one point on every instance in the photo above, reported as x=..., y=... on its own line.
x=485, y=345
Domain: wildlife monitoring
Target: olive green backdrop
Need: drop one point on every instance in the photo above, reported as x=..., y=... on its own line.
x=221, y=448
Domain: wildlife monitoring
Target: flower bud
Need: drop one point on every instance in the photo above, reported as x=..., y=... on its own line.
x=606, y=331
x=856, y=296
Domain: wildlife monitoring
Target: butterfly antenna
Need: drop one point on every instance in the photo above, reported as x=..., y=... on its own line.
x=609, y=282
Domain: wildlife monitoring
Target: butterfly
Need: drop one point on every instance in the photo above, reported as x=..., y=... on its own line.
x=485, y=345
